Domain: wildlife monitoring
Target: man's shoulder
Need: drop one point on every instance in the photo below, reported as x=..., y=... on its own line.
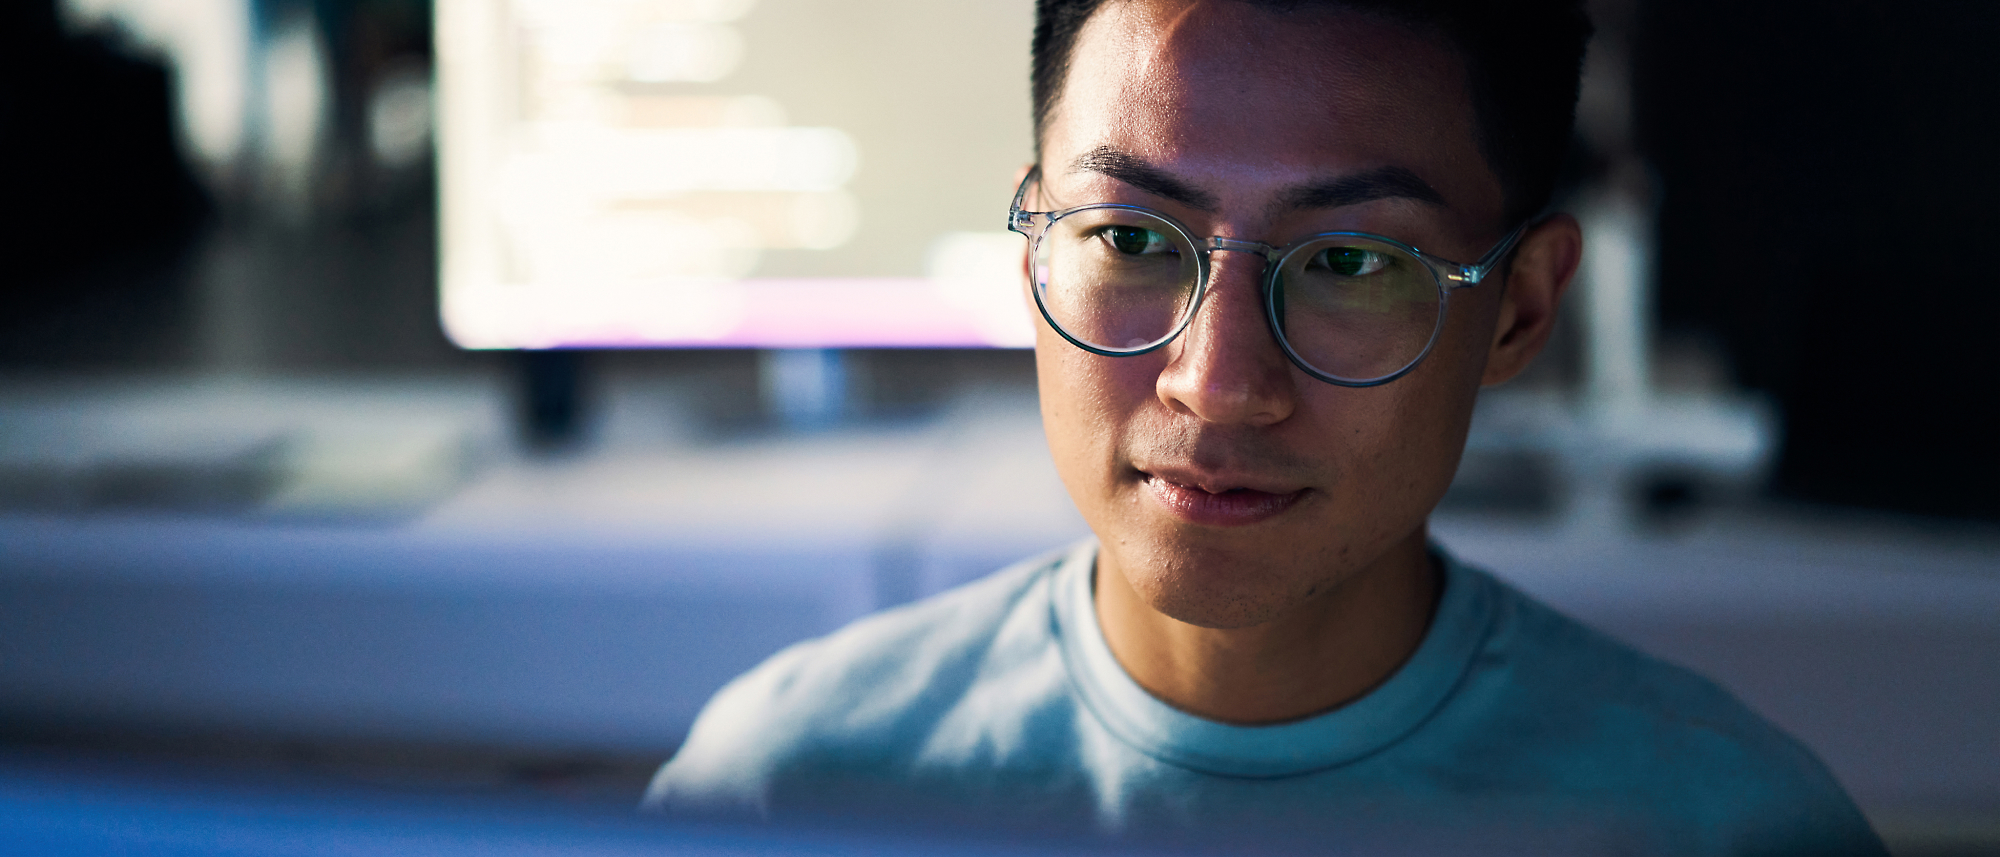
x=862, y=697
x=1568, y=664
x=1626, y=719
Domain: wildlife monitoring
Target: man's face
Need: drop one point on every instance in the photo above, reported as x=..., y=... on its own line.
x=1226, y=485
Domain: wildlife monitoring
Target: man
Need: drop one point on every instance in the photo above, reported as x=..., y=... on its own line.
x=1256, y=387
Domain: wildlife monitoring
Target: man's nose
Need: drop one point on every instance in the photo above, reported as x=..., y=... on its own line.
x=1227, y=367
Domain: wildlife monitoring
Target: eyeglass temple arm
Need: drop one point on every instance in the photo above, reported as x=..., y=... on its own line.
x=1018, y=220
x=1470, y=275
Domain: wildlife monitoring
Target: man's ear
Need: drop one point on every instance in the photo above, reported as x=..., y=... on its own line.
x=1544, y=264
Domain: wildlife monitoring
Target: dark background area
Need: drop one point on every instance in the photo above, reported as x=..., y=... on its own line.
x=1829, y=173
x=1826, y=174
x=112, y=236
x=100, y=213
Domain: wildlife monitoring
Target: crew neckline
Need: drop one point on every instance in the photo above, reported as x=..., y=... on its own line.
x=1355, y=730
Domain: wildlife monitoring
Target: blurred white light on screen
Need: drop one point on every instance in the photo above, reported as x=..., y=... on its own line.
x=699, y=111
x=545, y=315
x=823, y=221
x=575, y=46
x=711, y=11
x=725, y=159
x=590, y=197
x=980, y=273
x=630, y=247
x=752, y=111
x=700, y=11
x=649, y=162
x=699, y=53
x=691, y=11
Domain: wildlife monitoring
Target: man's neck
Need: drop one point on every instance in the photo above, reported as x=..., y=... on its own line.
x=1322, y=654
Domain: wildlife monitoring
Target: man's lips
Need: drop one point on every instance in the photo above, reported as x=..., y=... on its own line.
x=1222, y=507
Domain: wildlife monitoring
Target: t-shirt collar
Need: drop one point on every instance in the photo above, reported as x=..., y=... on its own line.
x=1357, y=729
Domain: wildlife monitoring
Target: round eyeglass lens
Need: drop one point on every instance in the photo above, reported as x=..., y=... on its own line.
x=1356, y=309
x=1115, y=279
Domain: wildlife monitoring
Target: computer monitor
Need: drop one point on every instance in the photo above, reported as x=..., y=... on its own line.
x=731, y=173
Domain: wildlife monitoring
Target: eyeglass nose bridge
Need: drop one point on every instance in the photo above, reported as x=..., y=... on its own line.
x=1213, y=245
x=1267, y=251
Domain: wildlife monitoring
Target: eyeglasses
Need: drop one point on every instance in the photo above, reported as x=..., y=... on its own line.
x=1349, y=308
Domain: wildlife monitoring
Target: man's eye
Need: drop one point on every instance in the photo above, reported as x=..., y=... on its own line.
x=1135, y=241
x=1349, y=261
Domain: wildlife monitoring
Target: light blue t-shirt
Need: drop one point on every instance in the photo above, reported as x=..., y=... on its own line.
x=1511, y=729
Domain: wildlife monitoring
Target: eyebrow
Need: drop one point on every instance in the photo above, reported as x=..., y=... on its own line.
x=1391, y=182
x=1135, y=171
x=1366, y=186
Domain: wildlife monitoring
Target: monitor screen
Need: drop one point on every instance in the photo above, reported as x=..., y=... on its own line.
x=732, y=173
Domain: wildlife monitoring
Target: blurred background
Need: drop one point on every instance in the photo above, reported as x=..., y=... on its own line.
x=443, y=399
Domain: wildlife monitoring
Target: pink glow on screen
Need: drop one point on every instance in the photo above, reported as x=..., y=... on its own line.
x=885, y=312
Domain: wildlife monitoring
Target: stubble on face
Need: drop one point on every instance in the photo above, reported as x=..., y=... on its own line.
x=1361, y=501
x=1179, y=83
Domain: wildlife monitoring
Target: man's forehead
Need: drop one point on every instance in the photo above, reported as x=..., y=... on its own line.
x=1289, y=96
x=1192, y=33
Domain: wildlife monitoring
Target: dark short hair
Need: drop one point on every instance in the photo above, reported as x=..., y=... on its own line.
x=1523, y=58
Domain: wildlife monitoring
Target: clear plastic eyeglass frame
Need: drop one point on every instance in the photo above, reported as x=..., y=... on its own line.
x=1448, y=275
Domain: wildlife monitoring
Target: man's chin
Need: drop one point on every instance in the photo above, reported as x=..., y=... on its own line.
x=1220, y=592
x=1220, y=612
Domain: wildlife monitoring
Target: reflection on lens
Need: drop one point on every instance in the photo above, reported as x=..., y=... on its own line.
x=1115, y=279
x=1356, y=309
